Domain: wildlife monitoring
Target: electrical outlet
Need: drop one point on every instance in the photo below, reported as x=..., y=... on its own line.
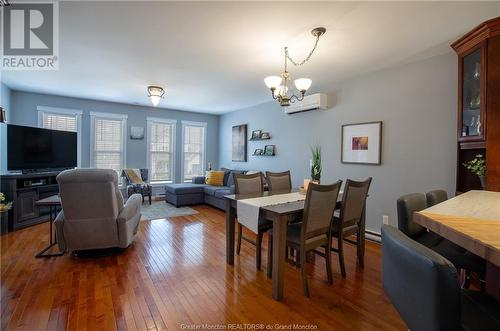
x=385, y=219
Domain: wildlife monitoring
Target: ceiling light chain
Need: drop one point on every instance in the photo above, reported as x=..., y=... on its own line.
x=279, y=84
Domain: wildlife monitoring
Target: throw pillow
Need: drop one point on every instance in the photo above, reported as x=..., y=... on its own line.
x=215, y=178
x=134, y=176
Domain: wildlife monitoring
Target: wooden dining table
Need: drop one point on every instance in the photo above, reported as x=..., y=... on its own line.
x=280, y=215
x=472, y=221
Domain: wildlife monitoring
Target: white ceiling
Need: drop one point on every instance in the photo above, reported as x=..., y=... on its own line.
x=212, y=56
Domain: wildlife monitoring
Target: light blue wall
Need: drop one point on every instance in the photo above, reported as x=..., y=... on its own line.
x=417, y=104
x=24, y=112
x=5, y=103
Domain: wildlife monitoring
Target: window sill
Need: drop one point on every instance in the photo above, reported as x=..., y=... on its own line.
x=160, y=183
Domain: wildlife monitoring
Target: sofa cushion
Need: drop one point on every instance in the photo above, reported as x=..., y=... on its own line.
x=221, y=192
x=184, y=188
x=215, y=178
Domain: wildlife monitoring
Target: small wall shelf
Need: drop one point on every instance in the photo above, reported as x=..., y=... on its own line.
x=259, y=139
x=262, y=155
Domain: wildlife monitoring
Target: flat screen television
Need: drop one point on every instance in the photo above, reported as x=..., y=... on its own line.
x=35, y=149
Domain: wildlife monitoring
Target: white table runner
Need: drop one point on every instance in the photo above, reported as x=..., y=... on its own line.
x=248, y=209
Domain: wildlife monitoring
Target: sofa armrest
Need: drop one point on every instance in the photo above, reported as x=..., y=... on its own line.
x=198, y=180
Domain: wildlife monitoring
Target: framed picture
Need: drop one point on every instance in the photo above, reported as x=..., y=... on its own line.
x=258, y=151
x=265, y=135
x=361, y=143
x=256, y=134
x=137, y=132
x=239, y=144
x=269, y=150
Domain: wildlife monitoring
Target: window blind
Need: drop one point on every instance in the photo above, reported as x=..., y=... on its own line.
x=193, y=149
x=108, y=144
x=161, y=151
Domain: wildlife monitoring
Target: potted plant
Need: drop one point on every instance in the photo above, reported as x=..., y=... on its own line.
x=478, y=167
x=316, y=163
x=4, y=206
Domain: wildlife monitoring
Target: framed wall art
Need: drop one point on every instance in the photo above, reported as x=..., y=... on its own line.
x=362, y=143
x=239, y=143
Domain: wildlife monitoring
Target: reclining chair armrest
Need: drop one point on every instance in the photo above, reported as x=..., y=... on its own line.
x=198, y=180
x=59, y=224
x=128, y=220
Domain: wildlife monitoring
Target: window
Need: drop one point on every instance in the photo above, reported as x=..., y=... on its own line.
x=161, y=149
x=63, y=120
x=107, y=141
x=193, y=149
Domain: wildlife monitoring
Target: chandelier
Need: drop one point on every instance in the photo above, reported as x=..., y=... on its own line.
x=155, y=93
x=279, y=85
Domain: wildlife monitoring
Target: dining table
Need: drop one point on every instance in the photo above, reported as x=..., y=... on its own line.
x=472, y=221
x=280, y=214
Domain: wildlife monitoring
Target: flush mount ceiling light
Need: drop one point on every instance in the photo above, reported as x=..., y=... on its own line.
x=155, y=93
x=279, y=85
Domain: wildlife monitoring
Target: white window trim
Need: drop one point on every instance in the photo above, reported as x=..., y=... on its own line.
x=150, y=121
x=65, y=111
x=204, y=125
x=123, y=118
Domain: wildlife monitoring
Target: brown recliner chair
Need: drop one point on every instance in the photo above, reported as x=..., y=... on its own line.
x=93, y=215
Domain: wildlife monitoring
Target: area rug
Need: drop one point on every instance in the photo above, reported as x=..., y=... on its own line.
x=161, y=209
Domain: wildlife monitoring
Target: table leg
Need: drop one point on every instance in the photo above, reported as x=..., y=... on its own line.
x=52, y=242
x=493, y=280
x=230, y=221
x=279, y=254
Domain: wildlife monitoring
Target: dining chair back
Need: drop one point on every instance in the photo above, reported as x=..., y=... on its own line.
x=247, y=184
x=407, y=205
x=353, y=202
x=319, y=207
x=279, y=181
x=435, y=197
x=421, y=284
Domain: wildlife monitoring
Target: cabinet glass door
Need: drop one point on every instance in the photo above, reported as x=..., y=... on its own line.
x=471, y=95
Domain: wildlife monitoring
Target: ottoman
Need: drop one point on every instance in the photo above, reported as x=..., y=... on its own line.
x=184, y=194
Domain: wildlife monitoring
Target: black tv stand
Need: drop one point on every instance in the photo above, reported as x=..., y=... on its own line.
x=42, y=171
x=24, y=190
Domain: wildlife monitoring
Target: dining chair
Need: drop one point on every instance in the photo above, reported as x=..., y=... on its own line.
x=424, y=288
x=279, y=181
x=248, y=184
x=435, y=197
x=407, y=205
x=315, y=229
x=349, y=220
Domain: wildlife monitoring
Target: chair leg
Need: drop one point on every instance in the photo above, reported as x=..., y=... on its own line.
x=238, y=244
x=360, y=248
x=303, y=264
x=149, y=198
x=328, y=258
x=142, y=198
x=341, y=255
x=258, y=250
x=270, y=256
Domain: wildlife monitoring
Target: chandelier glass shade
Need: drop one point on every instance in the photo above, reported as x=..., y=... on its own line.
x=280, y=85
x=155, y=93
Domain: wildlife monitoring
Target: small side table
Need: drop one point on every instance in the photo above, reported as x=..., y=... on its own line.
x=53, y=202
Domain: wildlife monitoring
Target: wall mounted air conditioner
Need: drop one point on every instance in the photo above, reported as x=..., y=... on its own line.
x=310, y=102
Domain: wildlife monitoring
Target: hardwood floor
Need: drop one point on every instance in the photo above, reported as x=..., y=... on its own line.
x=174, y=276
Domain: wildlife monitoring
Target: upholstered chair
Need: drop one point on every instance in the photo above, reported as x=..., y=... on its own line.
x=251, y=184
x=435, y=197
x=93, y=215
x=407, y=205
x=348, y=222
x=424, y=288
x=314, y=231
x=137, y=182
x=279, y=181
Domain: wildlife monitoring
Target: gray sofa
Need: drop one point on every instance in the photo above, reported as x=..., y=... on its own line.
x=197, y=192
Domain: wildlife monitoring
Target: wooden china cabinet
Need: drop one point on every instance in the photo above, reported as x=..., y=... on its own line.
x=479, y=104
